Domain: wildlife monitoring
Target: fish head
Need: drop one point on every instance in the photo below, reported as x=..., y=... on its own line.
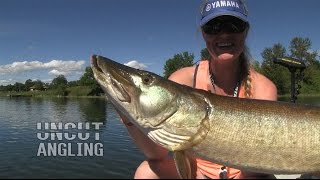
x=137, y=93
x=169, y=113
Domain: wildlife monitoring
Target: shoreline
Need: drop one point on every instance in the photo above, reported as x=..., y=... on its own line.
x=46, y=96
x=300, y=95
x=37, y=94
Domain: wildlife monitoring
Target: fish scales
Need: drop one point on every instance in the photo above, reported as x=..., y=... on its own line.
x=254, y=135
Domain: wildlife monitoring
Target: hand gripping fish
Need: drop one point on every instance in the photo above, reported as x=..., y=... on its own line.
x=253, y=135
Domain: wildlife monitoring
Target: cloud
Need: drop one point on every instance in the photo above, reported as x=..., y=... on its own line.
x=55, y=67
x=57, y=72
x=6, y=81
x=137, y=65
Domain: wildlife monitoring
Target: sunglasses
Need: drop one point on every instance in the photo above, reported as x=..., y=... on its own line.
x=228, y=25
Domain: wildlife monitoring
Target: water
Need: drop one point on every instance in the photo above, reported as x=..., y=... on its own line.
x=19, y=143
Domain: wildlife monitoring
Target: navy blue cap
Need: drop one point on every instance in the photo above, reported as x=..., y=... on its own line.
x=215, y=8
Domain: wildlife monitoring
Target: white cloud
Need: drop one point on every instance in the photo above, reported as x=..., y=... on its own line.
x=57, y=72
x=55, y=67
x=20, y=71
x=137, y=65
x=6, y=81
x=45, y=80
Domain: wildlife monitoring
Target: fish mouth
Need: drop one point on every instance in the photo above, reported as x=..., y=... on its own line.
x=117, y=81
x=109, y=79
x=94, y=63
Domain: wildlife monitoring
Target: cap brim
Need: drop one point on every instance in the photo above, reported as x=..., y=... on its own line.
x=223, y=13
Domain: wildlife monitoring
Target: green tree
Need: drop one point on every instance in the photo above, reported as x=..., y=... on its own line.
x=256, y=66
x=59, y=81
x=73, y=83
x=9, y=87
x=18, y=87
x=60, y=84
x=28, y=84
x=205, y=55
x=87, y=79
x=38, y=85
x=177, y=62
x=300, y=48
x=276, y=73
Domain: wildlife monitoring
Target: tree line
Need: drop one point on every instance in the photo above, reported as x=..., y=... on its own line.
x=299, y=48
x=59, y=85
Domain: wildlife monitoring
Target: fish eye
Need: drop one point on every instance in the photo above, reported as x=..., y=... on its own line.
x=147, y=79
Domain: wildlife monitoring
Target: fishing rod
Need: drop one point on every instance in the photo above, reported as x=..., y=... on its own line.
x=296, y=68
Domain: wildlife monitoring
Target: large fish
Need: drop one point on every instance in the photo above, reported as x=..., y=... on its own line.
x=253, y=135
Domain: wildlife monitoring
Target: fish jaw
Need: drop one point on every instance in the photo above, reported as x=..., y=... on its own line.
x=158, y=107
x=105, y=77
x=133, y=91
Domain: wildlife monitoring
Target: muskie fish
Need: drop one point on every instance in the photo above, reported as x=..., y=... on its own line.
x=254, y=135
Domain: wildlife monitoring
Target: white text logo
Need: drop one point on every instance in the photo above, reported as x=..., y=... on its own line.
x=69, y=139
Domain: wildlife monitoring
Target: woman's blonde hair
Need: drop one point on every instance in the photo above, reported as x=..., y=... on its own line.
x=245, y=66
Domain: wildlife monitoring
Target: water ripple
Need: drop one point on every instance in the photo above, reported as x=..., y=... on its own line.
x=19, y=143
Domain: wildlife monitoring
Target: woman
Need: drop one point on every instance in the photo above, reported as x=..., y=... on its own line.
x=224, y=26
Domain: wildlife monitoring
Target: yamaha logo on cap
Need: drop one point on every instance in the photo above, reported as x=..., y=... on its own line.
x=222, y=3
x=215, y=8
x=208, y=8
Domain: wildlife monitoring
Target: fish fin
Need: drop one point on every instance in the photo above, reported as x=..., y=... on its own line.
x=183, y=164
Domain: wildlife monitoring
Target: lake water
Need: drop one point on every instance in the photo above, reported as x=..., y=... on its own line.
x=24, y=126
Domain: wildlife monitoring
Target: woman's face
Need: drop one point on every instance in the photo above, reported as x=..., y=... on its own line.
x=225, y=37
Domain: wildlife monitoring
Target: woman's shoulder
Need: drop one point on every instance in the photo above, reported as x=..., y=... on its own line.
x=184, y=75
x=260, y=78
x=263, y=87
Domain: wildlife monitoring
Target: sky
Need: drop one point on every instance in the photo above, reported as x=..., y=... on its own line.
x=41, y=39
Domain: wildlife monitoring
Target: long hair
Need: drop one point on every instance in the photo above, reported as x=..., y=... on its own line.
x=245, y=66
